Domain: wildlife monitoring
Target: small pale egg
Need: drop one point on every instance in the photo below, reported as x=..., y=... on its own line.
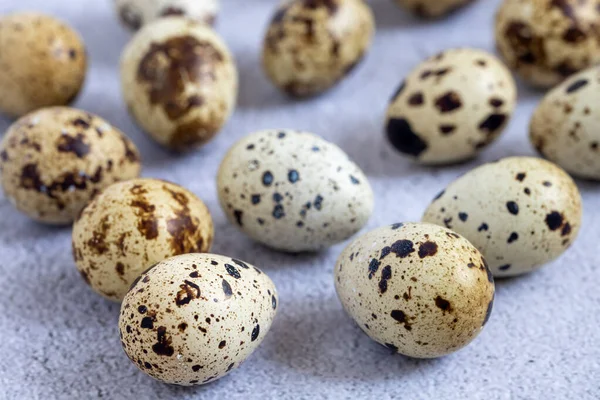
x=451, y=106
x=43, y=63
x=193, y=318
x=520, y=212
x=293, y=191
x=419, y=289
x=136, y=13
x=311, y=45
x=55, y=160
x=564, y=127
x=545, y=41
x=179, y=81
x=433, y=8
x=134, y=224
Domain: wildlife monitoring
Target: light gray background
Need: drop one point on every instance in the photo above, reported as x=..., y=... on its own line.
x=60, y=340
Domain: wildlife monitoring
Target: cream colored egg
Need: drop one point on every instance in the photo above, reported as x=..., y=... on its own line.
x=134, y=224
x=179, y=81
x=193, y=318
x=311, y=46
x=419, y=289
x=43, y=63
x=136, y=13
x=55, y=160
x=545, y=41
x=433, y=8
x=451, y=106
x=520, y=212
x=293, y=191
x=564, y=127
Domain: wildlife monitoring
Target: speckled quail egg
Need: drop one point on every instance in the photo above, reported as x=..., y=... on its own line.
x=55, y=160
x=520, y=212
x=43, y=63
x=311, y=45
x=433, y=8
x=545, y=41
x=419, y=289
x=293, y=191
x=193, y=318
x=451, y=106
x=136, y=13
x=134, y=224
x=564, y=127
x=179, y=81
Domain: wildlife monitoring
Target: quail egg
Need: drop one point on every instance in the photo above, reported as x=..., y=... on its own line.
x=179, y=81
x=134, y=224
x=311, y=45
x=545, y=41
x=451, y=106
x=293, y=191
x=433, y=8
x=43, y=63
x=193, y=318
x=55, y=160
x=520, y=212
x=419, y=289
x=564, y=127
x=135, y=13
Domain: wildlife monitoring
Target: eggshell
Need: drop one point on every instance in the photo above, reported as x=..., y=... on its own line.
x=311, y=45
x=520, y=212
x=134, y=224
x=419, y=289
x=43, y=63
x=545, y=41
x=193, y=318
x=433, y=8
x=136, y=13
x=451, y=106
x=179, y=81
x=293, y=191
x=55, y=160
x=564, y=127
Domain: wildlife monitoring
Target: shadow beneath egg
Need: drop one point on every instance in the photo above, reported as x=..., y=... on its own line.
x=328, y=344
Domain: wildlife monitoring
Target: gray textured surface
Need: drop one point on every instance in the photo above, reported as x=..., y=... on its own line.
x=60, y=340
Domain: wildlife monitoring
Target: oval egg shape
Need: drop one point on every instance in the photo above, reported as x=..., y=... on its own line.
x=193, y=318
x=293, y=191
x=451, y=106
x=55, y=160
x=44, y=63
x=564, y=127
x=545, y=41
x=134, y=224
x=419, y=289
x=179, y=81
x=520, y=212
x=311, y=45
x=136, y=13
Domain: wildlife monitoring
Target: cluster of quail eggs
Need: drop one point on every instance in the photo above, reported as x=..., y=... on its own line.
x=423, y=289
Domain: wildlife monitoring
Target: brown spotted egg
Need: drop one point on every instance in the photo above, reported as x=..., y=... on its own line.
x=564, y=127
x=545, y=41
x=451, y=106
x=43, y=63
x=179, y=81
x=433, y=8
x=193, y=318
x=293, y=191
x=311, y=45
x=55, y=160
x=520, y=212
x=136, y=13
x=134, y=224
x=419, y=289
